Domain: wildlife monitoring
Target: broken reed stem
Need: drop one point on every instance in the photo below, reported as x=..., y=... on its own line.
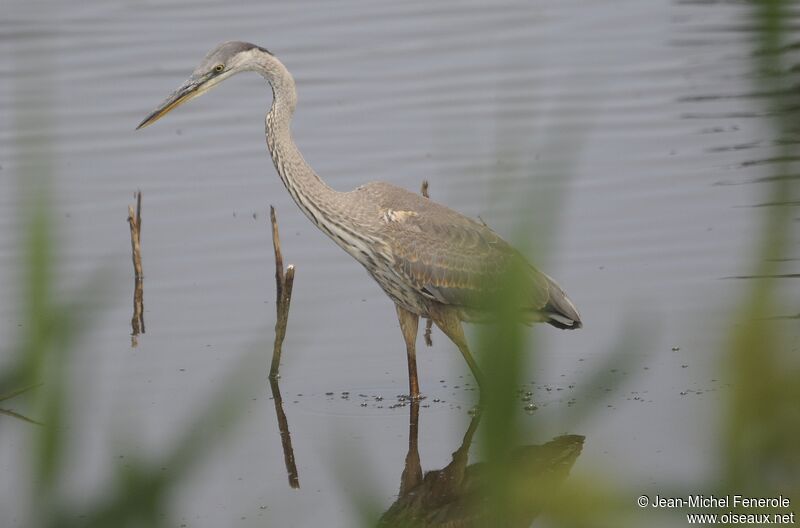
x=135, y=222
x=283, y=296
x=428, y=322
x=19, y=417
x=276, y=246
x=138, y=214
x=280, y=324
x=284, y=282
x=17, y=392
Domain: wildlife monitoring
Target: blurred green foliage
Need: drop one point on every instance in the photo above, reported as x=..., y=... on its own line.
x=761, y=451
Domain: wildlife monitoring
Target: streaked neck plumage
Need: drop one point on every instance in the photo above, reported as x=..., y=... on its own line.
x=316, y=199
x=331, y=211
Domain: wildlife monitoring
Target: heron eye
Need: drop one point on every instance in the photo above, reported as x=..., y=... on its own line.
x=219, y=67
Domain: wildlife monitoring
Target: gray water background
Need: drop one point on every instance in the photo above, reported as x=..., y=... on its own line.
x=639, y=118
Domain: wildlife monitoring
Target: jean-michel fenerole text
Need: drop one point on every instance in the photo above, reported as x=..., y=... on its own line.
x=720, y=501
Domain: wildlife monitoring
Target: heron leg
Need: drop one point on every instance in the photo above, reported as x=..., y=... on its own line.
x=448, y=322
x=409, y=323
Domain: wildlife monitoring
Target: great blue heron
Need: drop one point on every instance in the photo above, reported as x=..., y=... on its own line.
x=431, y=261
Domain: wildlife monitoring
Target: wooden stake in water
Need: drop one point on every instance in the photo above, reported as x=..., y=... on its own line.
x=283, y=282
x=135, y=221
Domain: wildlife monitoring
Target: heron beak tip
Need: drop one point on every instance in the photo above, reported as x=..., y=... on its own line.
x=149, y=120
x=193, y=87
x=146, y=122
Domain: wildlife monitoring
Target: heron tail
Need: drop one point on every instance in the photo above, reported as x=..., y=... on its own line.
x=559, y=310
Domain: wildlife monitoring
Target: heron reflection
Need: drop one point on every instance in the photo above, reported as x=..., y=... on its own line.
x=454, y=496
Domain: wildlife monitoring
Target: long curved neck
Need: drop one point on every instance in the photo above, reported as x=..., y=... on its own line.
x=316, y=199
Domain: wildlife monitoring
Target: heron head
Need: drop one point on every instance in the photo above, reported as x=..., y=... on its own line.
x=221, y=62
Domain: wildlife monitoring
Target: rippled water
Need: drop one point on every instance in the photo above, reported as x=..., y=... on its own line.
x=638, y=119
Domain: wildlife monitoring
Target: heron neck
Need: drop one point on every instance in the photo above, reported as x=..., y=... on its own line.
x=316, y=199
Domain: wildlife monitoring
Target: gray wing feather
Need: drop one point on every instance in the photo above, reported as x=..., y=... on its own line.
x=448, y=256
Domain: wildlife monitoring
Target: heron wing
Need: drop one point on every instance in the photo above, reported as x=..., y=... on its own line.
x=450, y=257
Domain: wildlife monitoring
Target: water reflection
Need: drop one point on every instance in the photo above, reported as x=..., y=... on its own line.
x=453, y=496
x=286, y=437
x=137, y=320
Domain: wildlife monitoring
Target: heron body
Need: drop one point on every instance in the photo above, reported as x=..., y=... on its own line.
x=430, y=260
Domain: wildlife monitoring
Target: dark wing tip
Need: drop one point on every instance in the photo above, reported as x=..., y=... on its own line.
x=561, y=322
x=559, y=310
